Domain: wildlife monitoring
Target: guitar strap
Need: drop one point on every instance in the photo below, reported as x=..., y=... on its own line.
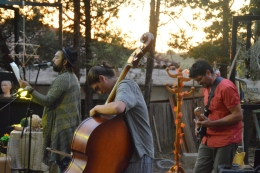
x=202, y=130
x=211, y=94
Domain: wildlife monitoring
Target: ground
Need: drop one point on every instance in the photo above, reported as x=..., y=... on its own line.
x=169, y=155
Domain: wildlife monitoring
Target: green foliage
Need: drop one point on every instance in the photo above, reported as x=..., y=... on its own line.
x=101, y=14
x=254, y=9
x=180, y=41
x=47, y=37
x=208, y=51
x=241, y=69
x=38, y=34
x=110, y=49
x=217, y=43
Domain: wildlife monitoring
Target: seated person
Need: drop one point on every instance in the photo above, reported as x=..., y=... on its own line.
x=6, y=87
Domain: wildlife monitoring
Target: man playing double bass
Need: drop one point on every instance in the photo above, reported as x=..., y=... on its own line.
x=128, y=100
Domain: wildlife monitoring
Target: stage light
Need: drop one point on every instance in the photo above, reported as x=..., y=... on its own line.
x=23, y=93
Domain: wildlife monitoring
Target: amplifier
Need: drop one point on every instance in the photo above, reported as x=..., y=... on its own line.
x=235, y=169
x=257, y=158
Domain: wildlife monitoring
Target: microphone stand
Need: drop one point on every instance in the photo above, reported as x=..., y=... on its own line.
x=8, y=103
x=29, y=113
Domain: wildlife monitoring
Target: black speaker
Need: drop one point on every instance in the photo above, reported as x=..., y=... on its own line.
x=235, y=169
x=257, y=157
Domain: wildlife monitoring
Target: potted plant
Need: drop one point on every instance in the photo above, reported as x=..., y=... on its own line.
x=3, y=143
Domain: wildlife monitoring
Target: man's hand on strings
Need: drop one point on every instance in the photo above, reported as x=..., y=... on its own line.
x=203, y=122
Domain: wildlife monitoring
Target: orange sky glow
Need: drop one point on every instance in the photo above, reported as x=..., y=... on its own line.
x=135, y=21
x=139, y=23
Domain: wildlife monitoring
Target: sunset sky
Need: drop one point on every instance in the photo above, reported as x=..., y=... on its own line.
x=134, y=21
x=139, y=23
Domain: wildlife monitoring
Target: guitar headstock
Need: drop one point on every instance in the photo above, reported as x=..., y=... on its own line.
x=147, y=42
x=197, y=112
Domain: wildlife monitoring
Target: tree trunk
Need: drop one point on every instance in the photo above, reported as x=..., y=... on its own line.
x=225, y=33
x=153, y=26
x=87, y=88
x=76, y=34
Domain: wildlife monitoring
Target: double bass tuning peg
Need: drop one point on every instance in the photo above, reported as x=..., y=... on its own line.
x=144, y=38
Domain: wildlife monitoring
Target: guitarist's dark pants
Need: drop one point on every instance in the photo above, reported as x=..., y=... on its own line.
x=209, y=158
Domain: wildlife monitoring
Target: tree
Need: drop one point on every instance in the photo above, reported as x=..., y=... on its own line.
x=218, y=33
x=4, y=53
x=90, y=20
x=102, y=11
x=254, y=9
x=153, y=26
x=35, y=32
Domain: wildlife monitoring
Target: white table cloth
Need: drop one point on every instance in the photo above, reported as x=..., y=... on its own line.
x=18, y=150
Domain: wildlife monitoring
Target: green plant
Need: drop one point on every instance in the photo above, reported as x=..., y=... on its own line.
x=5, y=138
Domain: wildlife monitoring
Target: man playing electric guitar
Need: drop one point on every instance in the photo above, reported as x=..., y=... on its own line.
x=224, y=122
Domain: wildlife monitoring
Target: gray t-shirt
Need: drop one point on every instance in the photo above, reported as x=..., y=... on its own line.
x=137, y=118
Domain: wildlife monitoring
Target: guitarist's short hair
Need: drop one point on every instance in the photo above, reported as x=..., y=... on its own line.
x=199, y=68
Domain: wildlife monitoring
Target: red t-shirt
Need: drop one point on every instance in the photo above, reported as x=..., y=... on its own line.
x=225, y=97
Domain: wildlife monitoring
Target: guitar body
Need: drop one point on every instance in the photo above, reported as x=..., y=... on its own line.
x=102, y=146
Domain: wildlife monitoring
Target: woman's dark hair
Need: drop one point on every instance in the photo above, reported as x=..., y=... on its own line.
x=199, y=68
x=94, y=73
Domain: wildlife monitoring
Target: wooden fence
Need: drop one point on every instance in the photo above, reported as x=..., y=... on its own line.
x=162, y=124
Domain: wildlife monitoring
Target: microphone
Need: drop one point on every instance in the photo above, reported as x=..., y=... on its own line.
x=20, y=90
x=45, y=64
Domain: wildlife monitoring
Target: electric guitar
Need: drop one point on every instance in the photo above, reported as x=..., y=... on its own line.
x=201, y=130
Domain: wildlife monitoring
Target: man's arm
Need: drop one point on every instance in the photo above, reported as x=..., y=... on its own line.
x=233, y=118
x=112, y=108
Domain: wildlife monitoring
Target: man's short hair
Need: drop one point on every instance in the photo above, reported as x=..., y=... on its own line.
x=199, y=68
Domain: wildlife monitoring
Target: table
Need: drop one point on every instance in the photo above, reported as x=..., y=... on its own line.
x=13, y=113
x=18, y=149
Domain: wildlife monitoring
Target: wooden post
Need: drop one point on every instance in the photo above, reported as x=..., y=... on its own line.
x=177, y=89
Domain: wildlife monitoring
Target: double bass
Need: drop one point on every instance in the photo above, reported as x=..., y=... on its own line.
x=101, y=143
